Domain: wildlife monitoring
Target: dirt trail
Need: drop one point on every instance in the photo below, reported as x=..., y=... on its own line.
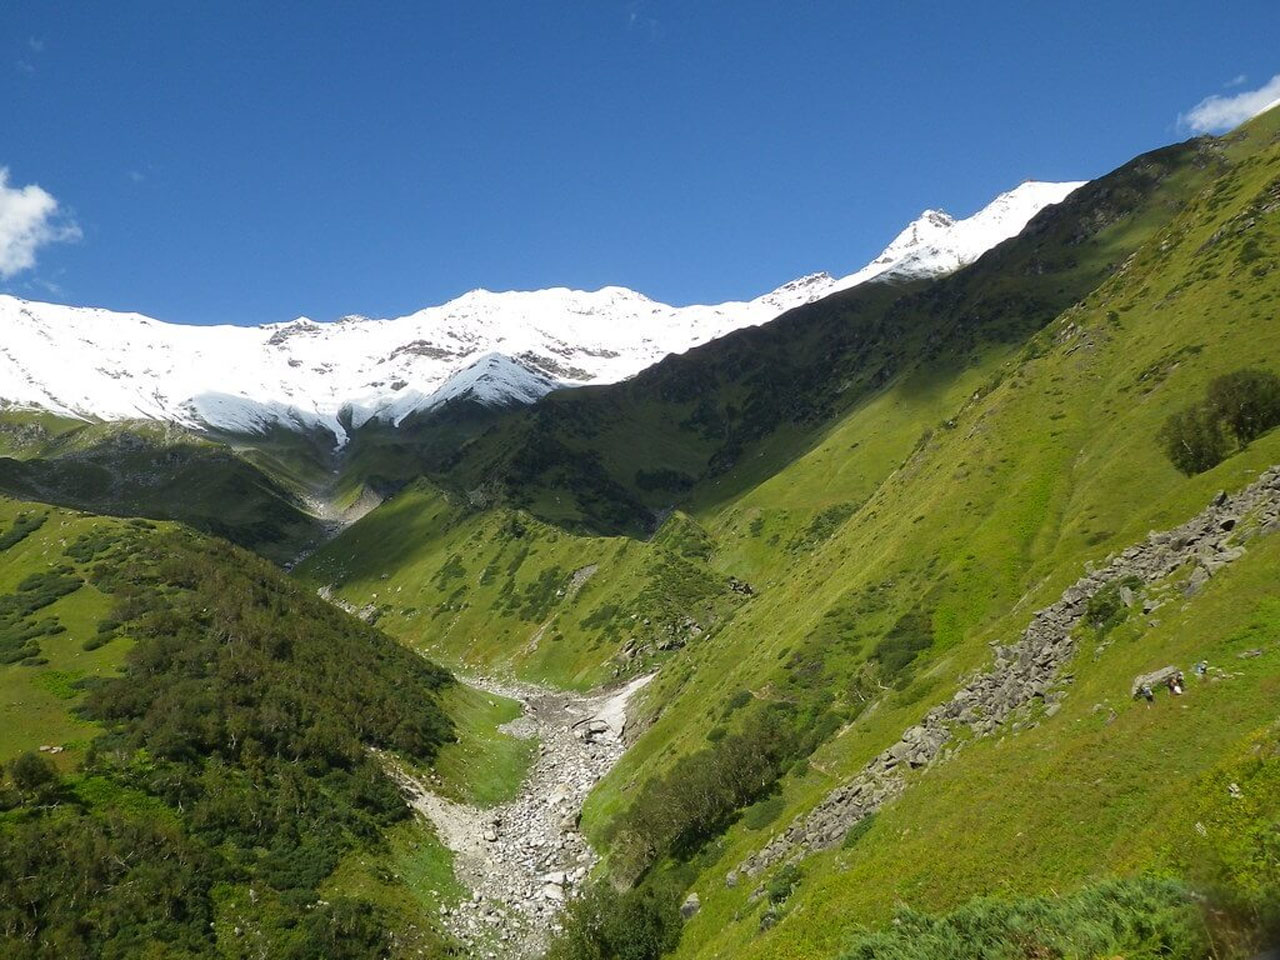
x=523, y=859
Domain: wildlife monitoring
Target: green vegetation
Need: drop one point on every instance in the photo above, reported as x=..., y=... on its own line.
x=481, y=589
x=235, y=756
x=676, y=814
x=24, y=524
x=19, y=633
x=603, y=924
x=483, y=765
x=1146, y=917
x=1245, y=403
x=157, y=471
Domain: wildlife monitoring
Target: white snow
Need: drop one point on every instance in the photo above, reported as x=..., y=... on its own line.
x=499, y=348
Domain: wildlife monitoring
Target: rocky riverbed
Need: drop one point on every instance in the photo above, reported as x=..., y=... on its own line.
x=522, y=860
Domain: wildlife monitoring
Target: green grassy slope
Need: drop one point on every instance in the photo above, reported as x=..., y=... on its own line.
x=162, y=472
x=500, y=588
x=711, y=431
x=37, y=697
x=214, y=790
x=892, y=520
x=988, y=519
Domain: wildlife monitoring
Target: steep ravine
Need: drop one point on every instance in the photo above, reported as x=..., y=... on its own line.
x=521, y=860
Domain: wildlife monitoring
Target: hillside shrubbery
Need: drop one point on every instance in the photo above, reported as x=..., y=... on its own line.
x=238, y=750
x=699, y=796
x=24, y=524
x=1238, y=408
x=19, y=631
x=1143, y=917
x=603, y=924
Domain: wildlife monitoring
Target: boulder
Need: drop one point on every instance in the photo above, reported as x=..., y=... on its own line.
x=1156, y=678
x=690, y=906
x=1199, y=577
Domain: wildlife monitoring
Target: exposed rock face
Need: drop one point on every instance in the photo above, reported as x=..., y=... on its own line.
x=1029, y=668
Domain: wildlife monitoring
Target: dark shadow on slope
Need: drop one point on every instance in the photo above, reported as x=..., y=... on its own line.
x=127, y=473
x=603, y=459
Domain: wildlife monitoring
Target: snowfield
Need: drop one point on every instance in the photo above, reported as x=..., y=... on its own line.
x=498, y=348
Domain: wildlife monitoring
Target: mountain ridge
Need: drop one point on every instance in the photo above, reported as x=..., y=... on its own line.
x=497, y=348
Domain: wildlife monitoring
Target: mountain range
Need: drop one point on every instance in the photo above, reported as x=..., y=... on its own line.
x=496, y=348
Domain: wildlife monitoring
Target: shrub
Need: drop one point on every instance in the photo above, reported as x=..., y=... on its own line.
x=762, y=813
x=858, y=831
x=603, y=924
x=783, y=883
x=1106, y=609
x=1247, y=402
x=24, y=524
x=1193, y=439
x=33, y=774
x=1143, y=917
x=907, y=639
x=678, y=812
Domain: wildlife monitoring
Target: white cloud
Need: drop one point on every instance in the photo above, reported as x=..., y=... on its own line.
x=1217, y=113
x=29, y=220
x=1239, y=80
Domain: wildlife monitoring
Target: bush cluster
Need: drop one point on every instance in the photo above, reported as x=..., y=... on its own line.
x=237, y=751
x=24, y=524
x=604, y=924
x=1141, y=917
x=1237, y=408
x=675, y=814
x=19, y=631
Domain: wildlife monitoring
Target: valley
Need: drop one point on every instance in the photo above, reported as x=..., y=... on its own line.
x=821, y=632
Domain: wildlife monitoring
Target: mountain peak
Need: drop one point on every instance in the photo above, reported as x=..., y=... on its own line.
x=936, y=243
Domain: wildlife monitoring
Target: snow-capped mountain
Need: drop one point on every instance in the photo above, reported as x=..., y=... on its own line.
x=498, y=348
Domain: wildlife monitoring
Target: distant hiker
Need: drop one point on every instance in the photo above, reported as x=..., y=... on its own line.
x=1201, y=668
x=1147, y=693
x=1175, y=684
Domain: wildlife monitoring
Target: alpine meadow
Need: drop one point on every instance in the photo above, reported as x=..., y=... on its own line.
x=926, y=612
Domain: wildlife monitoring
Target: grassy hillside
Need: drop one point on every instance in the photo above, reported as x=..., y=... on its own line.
x=41, y=677
x=485, y=588
x=902, y=476
x=162, y=472
x=211, y=790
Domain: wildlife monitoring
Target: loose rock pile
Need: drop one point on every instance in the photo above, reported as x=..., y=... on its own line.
x=522, y=860
x=1030, y=668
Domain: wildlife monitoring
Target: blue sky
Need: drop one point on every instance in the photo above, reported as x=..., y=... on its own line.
x=249, y=163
